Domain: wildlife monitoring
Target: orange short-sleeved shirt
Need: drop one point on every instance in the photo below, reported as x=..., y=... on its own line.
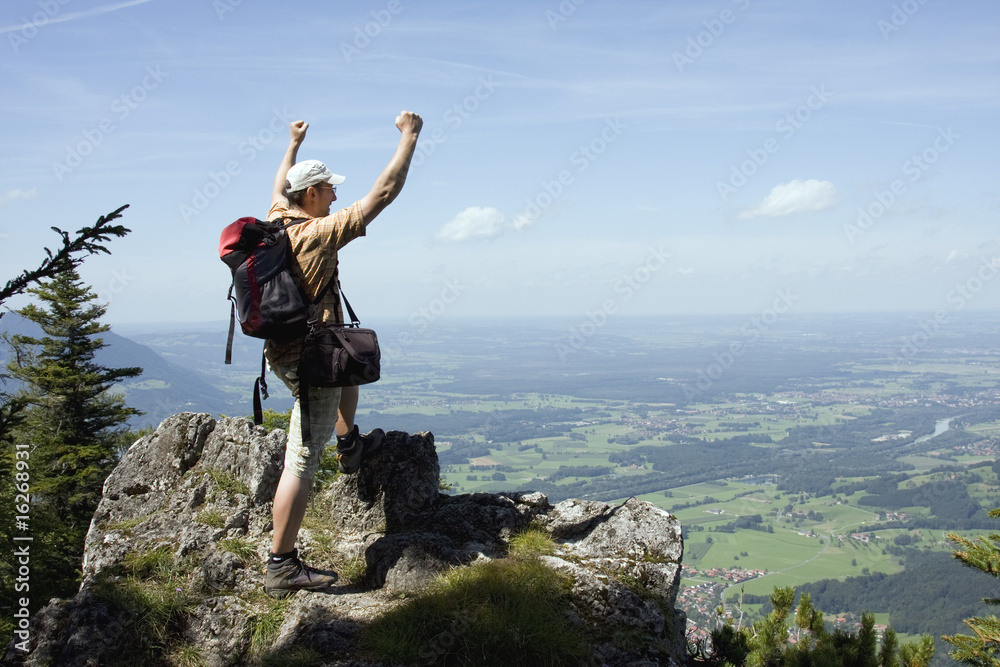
x=314, y=245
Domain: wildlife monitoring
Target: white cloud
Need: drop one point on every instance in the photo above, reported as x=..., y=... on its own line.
x=475, y=222
x=794, y=197
x=522, y=221
x=955, y=255
x=14, y=195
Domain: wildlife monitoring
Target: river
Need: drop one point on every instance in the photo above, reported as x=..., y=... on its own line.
x=940, y=427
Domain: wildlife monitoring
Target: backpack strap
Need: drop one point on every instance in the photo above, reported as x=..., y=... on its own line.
x=260, y=383
x=260, y=390
x=232, y=325
x=304, y=414
x=294, y=221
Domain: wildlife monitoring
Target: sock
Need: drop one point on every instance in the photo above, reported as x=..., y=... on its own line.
x=278, y=559
x=347, y=441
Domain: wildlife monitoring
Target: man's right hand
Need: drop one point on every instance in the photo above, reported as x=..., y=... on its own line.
x=407, y=121
x=298, y=130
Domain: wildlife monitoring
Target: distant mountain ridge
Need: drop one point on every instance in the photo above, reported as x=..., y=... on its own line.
x=163, y=388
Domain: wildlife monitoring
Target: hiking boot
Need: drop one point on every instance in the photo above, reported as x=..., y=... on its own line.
x=353, y=448
x=292, y=575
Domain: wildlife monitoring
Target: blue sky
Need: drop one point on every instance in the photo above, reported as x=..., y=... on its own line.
x=579, y=158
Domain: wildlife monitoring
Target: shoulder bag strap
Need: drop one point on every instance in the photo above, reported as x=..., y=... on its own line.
x=294, y=221
x=350, y=311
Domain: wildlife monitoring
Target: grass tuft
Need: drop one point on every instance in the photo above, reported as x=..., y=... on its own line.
x=211, y=517
x=228, y=482
x=328, y=471
x=322, y=546
x=265, y=624
x=299, y=656
x=353, y=571
x=532, y=542
x=151, y=595
x=509, y=611
x=242, y=549
x=186, y=656
x=156, y=564
x=125, y=525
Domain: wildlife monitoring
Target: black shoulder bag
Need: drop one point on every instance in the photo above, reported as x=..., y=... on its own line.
x=337, y=355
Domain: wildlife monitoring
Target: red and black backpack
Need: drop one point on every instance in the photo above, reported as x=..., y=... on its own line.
x=265, y=294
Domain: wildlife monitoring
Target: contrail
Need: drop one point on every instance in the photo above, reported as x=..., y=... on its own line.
x=75, y=15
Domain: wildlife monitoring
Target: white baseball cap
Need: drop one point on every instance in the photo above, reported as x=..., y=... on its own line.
x=310, y=172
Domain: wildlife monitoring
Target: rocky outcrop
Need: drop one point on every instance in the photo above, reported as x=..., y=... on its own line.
x=173, y=561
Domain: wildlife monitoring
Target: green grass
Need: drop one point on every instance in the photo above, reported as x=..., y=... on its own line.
x=186, y=656
x=228, y=482
x=506, y=612
x=265, y=622
x=323, y=537
x=242, y=549
x=986, y=428
x=532, y=542
x=211, y=517
x=126, y=525
x=152, y=596
x=156, y=564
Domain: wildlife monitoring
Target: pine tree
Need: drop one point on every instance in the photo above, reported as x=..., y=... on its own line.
x=87, y=241
x=867, y=641
x=71, y=427
x=887, y=656
x=770, y=634
x=73, y=418
x=982, y=648
x=917, y=654
x=767, y=643
x=54, y=550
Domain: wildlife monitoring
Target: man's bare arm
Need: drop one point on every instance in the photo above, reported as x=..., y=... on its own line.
x=297, y=129
x=390, y=181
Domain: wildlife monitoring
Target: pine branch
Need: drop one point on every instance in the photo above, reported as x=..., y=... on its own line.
x=88, y=241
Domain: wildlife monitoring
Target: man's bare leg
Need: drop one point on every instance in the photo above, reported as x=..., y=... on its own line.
x=285, y=572
x=290, y=502
x=348, y=408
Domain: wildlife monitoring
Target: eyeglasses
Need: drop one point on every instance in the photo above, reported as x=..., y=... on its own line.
x=332, y=188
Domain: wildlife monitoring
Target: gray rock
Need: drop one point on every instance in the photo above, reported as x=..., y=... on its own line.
x=249, y=454
x=198, y=493
x=76, y=633
x=409, y=561
x=221, y=571
x=188, y=485
x=221, y=628
x=394, y=486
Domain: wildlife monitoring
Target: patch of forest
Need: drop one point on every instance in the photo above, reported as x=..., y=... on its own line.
x=499, y=426
x=957, y=592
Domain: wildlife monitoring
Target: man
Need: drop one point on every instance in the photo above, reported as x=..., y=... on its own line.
x=307, y=190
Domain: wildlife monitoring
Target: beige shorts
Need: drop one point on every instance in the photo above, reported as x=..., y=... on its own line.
x=302, y=459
